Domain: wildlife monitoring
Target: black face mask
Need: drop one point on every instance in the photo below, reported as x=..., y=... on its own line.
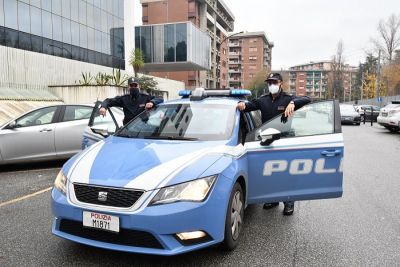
x=134, y=91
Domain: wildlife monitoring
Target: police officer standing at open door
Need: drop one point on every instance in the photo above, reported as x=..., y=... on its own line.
x=272, y=104
x=133, y=103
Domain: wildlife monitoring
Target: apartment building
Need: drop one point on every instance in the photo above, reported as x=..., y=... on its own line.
x=312, y=79
x=249, y=53
x=210, y=16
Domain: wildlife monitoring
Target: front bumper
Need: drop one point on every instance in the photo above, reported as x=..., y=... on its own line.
x=152, y=229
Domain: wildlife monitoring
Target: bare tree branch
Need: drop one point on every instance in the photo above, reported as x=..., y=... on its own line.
x=389, y=36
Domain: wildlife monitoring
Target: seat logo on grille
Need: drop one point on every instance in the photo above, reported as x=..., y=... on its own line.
x=102, y=196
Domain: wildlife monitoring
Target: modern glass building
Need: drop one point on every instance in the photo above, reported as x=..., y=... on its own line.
x=173, y=47
x=90, y=31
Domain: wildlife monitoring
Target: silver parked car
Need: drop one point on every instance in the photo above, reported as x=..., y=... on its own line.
x=349, y=115
x=47, y=133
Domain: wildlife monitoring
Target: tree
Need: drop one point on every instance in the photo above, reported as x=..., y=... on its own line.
x=257, y=84
x=136, y=60
x=335, y=79
x=148, y=84
x=389, y=36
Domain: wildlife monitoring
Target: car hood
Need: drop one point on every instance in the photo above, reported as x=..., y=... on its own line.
x=143, y=164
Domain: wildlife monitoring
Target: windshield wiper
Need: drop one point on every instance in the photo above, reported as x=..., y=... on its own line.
x=164, y=137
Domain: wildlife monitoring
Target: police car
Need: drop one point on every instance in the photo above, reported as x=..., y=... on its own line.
x=178, y=178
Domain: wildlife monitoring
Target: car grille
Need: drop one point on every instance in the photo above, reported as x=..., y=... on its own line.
x=124, y=237
x=112, y=197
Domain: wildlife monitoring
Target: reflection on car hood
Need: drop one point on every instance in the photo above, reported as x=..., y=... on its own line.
x=141, y=164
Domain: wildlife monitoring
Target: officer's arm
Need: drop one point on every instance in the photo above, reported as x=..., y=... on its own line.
x=252, y=105
x=300, y=101
x=156, y=101
x=112, y=102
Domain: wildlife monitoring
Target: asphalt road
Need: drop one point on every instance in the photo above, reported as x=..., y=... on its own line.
x=360, y=229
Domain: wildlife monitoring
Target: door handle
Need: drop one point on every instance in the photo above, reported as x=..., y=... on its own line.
x=331, y=153
x=45, y=130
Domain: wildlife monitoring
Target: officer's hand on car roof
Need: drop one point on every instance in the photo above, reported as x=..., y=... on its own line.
x=149, y=105
x=241, y=106
x=102, y=111
x=289, y=111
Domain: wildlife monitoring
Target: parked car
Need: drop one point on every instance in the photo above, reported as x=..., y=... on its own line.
x=349, y=115
x=365, y=111
x=389, y=116
x=46, y=133
x=177, y=178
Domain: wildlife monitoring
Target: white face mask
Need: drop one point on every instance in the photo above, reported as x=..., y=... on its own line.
x=273, y=88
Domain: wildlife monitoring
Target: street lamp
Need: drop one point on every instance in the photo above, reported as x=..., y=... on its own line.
x=223, y=40
x=62, y=48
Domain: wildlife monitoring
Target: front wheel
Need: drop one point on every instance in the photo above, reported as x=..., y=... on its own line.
x=234, y=218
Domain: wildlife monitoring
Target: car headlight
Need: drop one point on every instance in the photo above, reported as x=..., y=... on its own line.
x=61, y=182
x=195, y=191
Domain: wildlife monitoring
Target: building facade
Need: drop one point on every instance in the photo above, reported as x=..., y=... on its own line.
x=173, y=46
x=249, y=53
x=210, y=16
x=86, y=31
x=314, y=78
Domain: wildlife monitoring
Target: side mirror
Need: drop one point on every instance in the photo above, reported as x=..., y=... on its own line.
x=12, y=125
x=101, y=130
x=269, y=135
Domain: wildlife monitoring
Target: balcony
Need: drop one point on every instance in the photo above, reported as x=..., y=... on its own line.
x=235, y=62
x=235, y=44
x=234, y=53
x=234, y=71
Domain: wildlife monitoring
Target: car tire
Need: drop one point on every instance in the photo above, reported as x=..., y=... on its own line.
x=358, y=123
x=234, y=218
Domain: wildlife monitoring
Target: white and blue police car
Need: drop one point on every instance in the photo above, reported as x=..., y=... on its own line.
x=178, y=178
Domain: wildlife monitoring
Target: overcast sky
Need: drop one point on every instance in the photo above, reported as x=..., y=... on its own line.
x=309, y=30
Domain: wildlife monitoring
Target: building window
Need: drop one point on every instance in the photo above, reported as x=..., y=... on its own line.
x=252, y=67
x=253, y=49
x=181, y=42
x=253, y=40
x=253, y=58
x=169, y=43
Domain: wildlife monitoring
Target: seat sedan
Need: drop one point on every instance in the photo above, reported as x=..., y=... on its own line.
x=46, y=133
x=349, y=115
x=178, y=178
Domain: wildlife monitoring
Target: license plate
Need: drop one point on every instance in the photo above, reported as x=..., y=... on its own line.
x=384, y=114
x=101, y=221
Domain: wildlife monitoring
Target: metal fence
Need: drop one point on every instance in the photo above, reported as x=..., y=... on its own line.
x=374, y=101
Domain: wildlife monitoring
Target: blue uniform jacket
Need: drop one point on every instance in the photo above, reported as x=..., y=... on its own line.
x=270, y=108
x=131, y=106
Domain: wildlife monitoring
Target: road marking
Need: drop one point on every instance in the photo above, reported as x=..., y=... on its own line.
x=25, y=197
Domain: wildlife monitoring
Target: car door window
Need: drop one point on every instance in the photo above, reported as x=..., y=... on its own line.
x=73, y=113
x=313, y=119
x=98, y=121
x=37, y=117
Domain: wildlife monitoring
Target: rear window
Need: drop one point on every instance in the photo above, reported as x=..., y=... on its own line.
x=393, y=106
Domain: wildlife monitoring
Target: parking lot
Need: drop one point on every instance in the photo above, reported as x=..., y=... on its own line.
x=361, y=228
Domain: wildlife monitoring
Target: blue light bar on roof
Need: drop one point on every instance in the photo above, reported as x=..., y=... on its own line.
x=240, y=92
x=185, y=93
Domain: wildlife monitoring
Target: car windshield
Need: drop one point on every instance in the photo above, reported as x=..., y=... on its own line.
x=347, y=108
x=192, y=121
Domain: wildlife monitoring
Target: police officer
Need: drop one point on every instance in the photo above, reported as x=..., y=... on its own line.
x=272, y=104
x=132, y=104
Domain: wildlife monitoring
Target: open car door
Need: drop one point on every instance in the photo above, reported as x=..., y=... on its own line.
x=304, y=159
x=100, y=127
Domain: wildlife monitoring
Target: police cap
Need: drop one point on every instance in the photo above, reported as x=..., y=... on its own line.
x=274, y=77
